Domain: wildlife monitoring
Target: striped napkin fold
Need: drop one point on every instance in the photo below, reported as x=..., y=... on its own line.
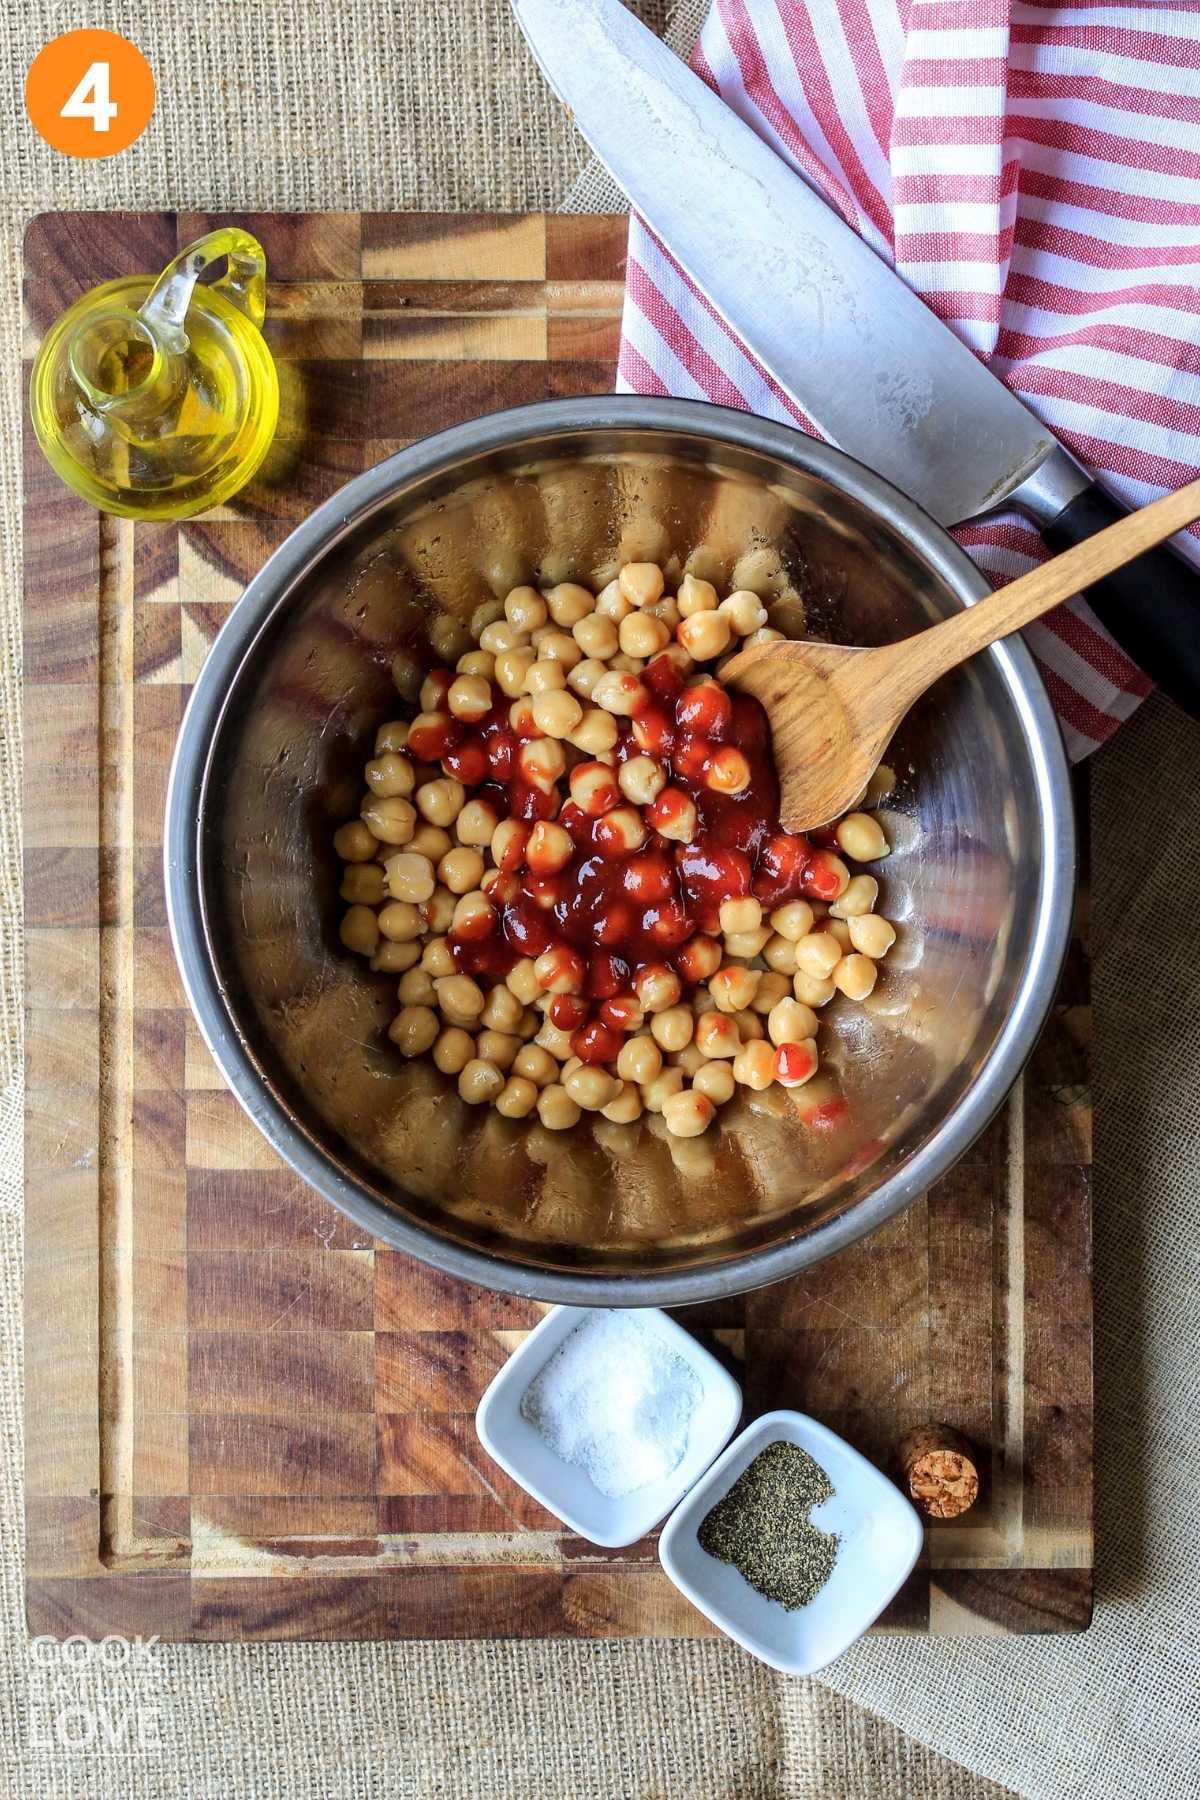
x=1033, y=172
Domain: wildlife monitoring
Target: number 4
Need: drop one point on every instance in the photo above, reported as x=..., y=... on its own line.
x=90, y=99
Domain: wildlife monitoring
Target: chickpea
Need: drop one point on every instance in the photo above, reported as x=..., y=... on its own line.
x=415, y=988
x=641, y=779
x=525, y=609
x=516, y=1099
x=779, y=954
x=359, y=930
x=748, y=944
x=705, y=635
x=499, y=1047
x=354, y=842
x=550, y=848
x=796, y=1063
x=838, y=928
x=560, y=971
x=639, y=1059
x=594, y=788
x=626, y=1107
x=754, y=1065
x=860, y=836
x=688, y=1114
x=584, y=676
x=414, y=1030
x=410, y=877
x=556, y=1109
x=480, y=1082
x=740, y=915
x=512, y=670
x=476, y=823
x=811, y=990
x=433, y=693
x=407, y=677
x=438, y=910
x=449, y=638
x=557, y=714
x=860, y=896
x=470, y=698
x=620, y=693
x=559, y=648
x=715, y=1080
x=855, y=975
x=620, y=832
x=596, y=734
x=394, y=959
x=818, y=954
x=502, y=1010
x=612, y=604
x=773, y=988
x=392, y=736
x=689, y=1059
x=431, y=841
x=745, y=612
x=641, y=634
x=696, y=596
x=733, y=988
x=545, y=678
x=641, y=583
x=750, y=1025
x=393, y=820
x=440, y=801
x=362, y=884
x=437, y=957
x=509, y=842
x=389, y=775
x=597, y=637
x=871, y=934
x=459, y=997
x=717, y=1034
x=534, y=1064
x=673, y=1028
x=453, y=1050
x=461, y=869
x=476, y=662
x=699, y=958
x=522, y=981
x=569, y=602
x=501, y=636
x=789, y=1021
x=542, y=762
x=485, y=614
x=794, y=920
x=657, y=987
x=655, y=1093
x=591, y=1087
x=401, y=921
x=474, y=916
x=728, y=771
x=674, y=815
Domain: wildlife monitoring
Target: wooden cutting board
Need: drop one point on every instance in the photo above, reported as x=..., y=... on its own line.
x=243, y=1418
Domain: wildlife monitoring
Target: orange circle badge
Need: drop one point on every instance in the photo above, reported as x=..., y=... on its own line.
x=89, y=93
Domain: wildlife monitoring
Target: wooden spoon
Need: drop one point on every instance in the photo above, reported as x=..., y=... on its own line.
x=833, y=709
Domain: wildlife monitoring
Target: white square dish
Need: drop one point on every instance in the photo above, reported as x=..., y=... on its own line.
x=880, y=1539
x=567, y=1490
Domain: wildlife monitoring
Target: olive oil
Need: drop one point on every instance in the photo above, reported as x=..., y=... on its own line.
x=157, y=399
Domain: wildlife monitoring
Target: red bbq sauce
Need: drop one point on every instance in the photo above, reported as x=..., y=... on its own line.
x=624, y=909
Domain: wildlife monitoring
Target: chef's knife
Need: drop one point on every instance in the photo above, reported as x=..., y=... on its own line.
x=867, y=361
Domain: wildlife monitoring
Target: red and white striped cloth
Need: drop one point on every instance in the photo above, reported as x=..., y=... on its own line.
x=1033, y=172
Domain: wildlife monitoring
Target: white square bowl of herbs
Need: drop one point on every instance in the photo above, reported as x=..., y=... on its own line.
x=607, y=1416
x=792, y=1543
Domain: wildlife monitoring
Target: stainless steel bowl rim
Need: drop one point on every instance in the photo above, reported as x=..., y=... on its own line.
x=270, y=590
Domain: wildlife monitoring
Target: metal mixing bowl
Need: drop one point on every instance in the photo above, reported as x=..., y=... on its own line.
x=270, y=761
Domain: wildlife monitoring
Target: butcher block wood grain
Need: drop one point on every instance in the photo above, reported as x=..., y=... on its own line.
x=243, y=1418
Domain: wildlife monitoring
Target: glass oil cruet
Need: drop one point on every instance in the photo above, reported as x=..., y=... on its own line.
x=158, y=399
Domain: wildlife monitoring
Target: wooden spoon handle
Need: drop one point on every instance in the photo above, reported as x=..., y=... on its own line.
x=920, y=660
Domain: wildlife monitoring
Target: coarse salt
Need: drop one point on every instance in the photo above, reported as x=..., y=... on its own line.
x=617, y=1401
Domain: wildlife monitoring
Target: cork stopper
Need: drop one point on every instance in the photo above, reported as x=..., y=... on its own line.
x=939, y=1468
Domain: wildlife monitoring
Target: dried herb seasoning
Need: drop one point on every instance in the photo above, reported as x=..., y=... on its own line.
x=762, y=1526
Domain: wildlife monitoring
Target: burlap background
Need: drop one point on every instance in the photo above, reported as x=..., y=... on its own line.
x=298, y=104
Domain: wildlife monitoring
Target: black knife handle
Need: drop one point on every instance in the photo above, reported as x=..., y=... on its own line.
x=1151, y=606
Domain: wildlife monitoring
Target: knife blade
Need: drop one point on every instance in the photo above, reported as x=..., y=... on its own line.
x=878, y=373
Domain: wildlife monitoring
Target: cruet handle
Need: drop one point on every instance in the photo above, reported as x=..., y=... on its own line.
x=243, y=283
